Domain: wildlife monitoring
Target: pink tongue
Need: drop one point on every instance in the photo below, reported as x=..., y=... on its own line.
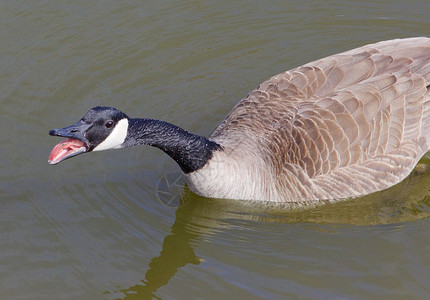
x=65, y=149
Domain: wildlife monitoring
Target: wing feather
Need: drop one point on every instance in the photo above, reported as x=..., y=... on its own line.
x=342, y=126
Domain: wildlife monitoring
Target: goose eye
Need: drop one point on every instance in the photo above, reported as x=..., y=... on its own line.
x=109, y=124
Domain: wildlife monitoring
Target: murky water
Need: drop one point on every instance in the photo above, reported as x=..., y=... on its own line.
x=121, y=224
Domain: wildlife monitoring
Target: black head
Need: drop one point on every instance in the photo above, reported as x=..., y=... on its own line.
x=101, y=128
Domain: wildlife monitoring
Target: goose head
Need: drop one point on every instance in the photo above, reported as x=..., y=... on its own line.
x=101, y=128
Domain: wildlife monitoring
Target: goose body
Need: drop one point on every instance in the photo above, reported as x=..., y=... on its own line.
x=343, y=126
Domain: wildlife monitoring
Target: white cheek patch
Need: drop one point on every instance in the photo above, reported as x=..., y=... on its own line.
x=116, y=138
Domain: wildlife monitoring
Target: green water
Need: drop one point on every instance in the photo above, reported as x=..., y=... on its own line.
x=121, y=224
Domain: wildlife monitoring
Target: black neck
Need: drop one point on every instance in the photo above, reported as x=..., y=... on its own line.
x=190, y=151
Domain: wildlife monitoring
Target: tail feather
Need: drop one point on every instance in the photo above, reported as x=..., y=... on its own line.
x=425, y=128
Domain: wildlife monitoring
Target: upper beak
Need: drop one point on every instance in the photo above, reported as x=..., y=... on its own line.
x=76, y=131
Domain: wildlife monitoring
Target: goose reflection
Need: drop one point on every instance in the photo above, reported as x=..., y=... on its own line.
x=200, y=219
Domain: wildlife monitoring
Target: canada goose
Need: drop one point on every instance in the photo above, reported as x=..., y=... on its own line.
x=343, y=126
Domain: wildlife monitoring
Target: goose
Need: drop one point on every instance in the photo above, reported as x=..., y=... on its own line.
x=340, y=127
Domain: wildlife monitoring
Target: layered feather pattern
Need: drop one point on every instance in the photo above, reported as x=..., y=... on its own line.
x=342, y=126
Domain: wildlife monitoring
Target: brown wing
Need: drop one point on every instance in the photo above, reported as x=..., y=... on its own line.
x=342, y=126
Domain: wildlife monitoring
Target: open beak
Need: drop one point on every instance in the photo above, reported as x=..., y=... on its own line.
x=75, y=144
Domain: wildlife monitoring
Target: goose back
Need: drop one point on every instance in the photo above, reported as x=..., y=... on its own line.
x=343, y=126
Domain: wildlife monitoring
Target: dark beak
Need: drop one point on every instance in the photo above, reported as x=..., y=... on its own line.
x=76, y=131
x=75, y=144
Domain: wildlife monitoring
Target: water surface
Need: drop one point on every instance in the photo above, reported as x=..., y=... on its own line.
x=118, y=224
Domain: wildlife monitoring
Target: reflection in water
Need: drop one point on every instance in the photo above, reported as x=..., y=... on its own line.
x=177, y=252
x=200, y=218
